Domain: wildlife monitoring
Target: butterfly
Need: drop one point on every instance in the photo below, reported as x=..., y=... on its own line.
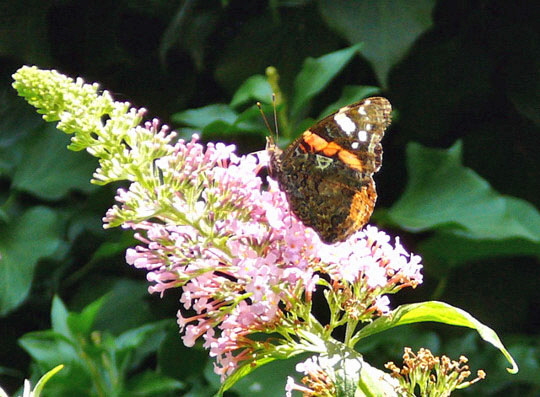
x=327, y=172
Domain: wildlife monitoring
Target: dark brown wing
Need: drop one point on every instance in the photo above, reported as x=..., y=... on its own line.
x=327, y=172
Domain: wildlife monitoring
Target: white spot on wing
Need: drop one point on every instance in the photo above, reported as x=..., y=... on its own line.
x=355, y=145
x=362, y=136
x=345, y=123
x=362, y=111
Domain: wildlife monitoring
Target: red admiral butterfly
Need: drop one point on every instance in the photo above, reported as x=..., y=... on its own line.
x=327, y=173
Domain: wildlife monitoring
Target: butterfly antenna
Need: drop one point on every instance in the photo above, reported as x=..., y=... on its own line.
x=275, y=115
x=265, y=119
x=273, y=132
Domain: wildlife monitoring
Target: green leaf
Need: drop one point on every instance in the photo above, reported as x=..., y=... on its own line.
x=219, y=120
x=94, y=358
x=49, y=348
x=263, y=40
x=251, y=119
x=193, y=359
x=59, y=318
x=373, y=383
x=133, y=338
x=134, y=346
x=82, y=323
x=266, y=381
x=443, y=194
x=316, y=74
x=23, y=242
x=527, y=353
x=453, y=250
x=437, y=312
x=343, y=365
x=122, y=296
x=49, y=170
x=255, y=88
x=388, y=28
x=241, y=372
x=17, y=122
x=523, y=83
x=150, y=383
x=350, y=94
x=188, y=29
x=218, y=129
x=201, y=117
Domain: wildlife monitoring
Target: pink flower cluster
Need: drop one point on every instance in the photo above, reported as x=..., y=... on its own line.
x=244, y=262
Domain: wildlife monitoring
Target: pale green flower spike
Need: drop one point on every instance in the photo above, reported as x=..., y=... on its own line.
x=107, y=129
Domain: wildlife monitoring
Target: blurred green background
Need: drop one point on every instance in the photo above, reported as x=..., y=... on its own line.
x=459, y=184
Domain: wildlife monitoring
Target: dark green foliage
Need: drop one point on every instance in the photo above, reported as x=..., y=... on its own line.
x=459, y=183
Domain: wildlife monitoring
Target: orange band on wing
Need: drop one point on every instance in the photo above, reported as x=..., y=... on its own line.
x=350, y=159
x=314, y=141
x=320, y=145
x=331, y=149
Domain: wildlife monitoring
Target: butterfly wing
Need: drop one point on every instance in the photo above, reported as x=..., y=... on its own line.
x=327, y=172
